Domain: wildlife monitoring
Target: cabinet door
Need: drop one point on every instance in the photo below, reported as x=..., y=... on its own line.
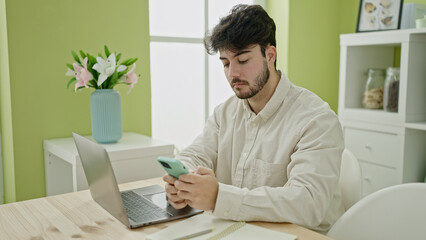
x=375, y=147
x=377, y=177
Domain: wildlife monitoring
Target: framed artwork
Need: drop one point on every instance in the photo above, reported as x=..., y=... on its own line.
x=378, y=15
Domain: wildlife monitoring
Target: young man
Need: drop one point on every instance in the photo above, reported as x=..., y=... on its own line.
x=271, y=152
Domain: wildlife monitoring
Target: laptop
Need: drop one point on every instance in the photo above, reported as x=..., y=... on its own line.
x=134, y=208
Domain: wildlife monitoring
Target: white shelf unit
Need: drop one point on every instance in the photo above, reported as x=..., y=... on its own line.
x=391, y=146
x=133, y=157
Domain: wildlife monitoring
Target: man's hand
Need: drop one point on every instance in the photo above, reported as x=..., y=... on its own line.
x=171, y=193
x=199, y=189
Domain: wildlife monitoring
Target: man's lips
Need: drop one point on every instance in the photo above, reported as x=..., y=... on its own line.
x=236, y=84
x=239, y=84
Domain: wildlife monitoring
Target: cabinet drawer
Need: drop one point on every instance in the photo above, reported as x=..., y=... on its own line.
x=375, y=147
x=377, y=177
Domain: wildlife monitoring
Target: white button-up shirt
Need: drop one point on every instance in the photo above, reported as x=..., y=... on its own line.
x=281, y=165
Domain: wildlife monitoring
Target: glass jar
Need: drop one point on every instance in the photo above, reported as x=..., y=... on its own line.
x=373, y=95
x=391, y=91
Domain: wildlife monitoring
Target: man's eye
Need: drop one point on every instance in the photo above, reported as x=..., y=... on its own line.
x=242, y=62
x=226, y=65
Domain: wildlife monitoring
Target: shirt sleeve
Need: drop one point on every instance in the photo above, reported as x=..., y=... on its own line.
x=313, y=175
x=203, y=150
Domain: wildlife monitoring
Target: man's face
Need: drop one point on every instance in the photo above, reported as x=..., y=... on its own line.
x=246, y=70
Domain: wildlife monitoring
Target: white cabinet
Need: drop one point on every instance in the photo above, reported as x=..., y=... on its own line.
x=391, y=146
x=133, y=158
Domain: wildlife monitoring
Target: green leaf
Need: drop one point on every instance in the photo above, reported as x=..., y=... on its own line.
x=100, y=55
x=92, y=83
x=82, y=54
x=71, y=81
x=118, y=58
x=126, y=61
x=120, y=74
x=105, y=84
x=107, y=52
x=122, y=83
x=70, y=66
x=114, y=80
x=76, y=58
x=131, y=61
x=92, y=59
x=91, y=70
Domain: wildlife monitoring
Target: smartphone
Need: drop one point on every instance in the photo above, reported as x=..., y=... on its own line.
x=173, y=167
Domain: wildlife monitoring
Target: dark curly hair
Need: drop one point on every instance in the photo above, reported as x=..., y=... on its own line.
x=244, y=26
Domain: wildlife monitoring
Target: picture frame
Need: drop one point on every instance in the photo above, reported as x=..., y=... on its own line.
x=379, y=15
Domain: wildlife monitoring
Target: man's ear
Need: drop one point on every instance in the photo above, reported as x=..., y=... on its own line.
x=271, y=54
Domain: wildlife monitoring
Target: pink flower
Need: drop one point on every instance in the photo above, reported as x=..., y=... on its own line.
x=131, y=77
x=82, y=75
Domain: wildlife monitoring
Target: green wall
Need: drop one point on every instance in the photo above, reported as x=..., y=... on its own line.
x=314, y=47
x=5, y=111
x=279, y=11
x=35, y=103
x=308, y=45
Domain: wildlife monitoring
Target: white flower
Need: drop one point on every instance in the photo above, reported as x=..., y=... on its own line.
x=107, y=68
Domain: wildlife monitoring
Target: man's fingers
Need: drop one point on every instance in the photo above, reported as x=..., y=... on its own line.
x=171, y=193
x=189, y=202
x=191, y=177
x=169, y=179
x=184, y=195
x=176, y=201
x=194, y=177
x=204, y=171
x=179, y=205
x=170, y=188
x=198, y=190
x=183, y=186
x=174, y=198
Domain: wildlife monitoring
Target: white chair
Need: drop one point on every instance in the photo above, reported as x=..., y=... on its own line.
x=350, y=181
x=396, y=212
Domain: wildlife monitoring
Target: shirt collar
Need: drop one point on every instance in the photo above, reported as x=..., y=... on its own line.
x=274, y=103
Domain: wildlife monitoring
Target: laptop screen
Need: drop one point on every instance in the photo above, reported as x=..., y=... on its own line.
x=100, y=177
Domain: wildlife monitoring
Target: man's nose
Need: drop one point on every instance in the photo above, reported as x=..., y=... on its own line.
x=233, y=71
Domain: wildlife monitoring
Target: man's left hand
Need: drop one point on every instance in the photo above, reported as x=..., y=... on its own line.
x=199, y=189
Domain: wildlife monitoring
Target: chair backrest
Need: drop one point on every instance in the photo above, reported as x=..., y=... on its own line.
x=350, y=181
x=396, y=212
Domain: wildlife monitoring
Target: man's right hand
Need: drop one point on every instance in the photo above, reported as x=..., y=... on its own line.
x=171, y=193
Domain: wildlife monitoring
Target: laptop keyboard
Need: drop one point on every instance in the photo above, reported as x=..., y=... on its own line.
x=140, y=209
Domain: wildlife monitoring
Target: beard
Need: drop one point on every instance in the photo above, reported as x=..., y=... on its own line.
x=260, y=82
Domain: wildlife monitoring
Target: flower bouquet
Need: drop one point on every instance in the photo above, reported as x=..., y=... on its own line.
x=100, y=72
x=103, y=73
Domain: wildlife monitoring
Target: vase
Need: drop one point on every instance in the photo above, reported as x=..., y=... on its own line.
x=105, y=108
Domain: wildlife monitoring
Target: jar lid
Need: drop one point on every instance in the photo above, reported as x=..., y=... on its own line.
x=394, y=70
x=376, y=71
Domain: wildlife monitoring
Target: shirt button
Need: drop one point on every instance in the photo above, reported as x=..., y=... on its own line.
x=225, y=213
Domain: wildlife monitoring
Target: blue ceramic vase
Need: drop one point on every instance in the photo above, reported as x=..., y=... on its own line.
x=105, y=108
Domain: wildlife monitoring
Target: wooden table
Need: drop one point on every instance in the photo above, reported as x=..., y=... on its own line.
x=76, y=216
